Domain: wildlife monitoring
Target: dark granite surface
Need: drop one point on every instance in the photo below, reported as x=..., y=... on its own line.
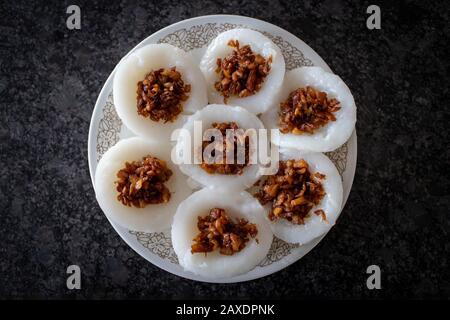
x=397, y=215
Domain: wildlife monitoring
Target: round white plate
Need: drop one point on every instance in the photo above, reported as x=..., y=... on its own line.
x=194, y=35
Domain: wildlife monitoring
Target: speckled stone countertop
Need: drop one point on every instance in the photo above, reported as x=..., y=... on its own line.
x=397, y=215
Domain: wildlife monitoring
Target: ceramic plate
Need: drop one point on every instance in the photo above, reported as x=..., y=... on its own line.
x=194, y=35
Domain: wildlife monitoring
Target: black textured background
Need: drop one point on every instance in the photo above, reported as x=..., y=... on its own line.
x=397, y=215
